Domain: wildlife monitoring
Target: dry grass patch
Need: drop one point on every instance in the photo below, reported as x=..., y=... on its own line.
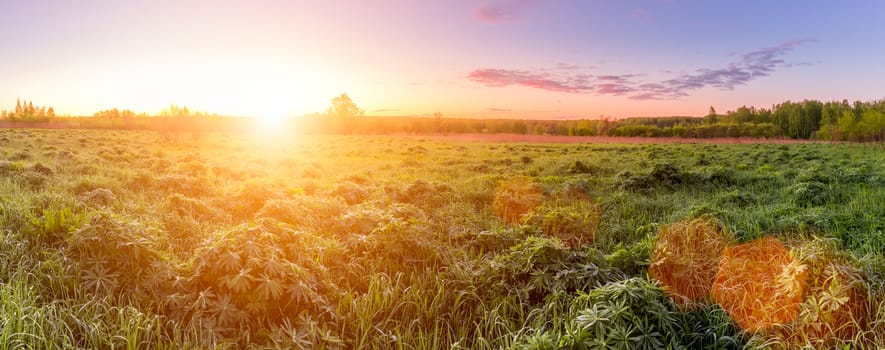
x=760, y=284
x=686, y=257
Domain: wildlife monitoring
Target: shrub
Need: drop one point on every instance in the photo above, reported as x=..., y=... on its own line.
x=760, y=284
x=516, y=197
x=686, y=257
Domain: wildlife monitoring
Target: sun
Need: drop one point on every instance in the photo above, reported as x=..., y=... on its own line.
x=272, y=118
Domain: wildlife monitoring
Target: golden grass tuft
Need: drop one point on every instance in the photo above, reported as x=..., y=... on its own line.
x=686, y=257
x=516, y=197
x=760, y=284
x=836, y=308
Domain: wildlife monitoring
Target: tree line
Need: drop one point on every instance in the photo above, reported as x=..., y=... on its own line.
x=25, y=111
x=807, y=119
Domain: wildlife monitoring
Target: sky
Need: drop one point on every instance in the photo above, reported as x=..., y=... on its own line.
x=473, y=59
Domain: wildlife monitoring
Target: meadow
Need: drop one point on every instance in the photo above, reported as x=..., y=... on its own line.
x=126, y=239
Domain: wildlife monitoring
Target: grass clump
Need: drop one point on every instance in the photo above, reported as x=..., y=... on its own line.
x=99, y=196
x=760, y=284
x=575, y=224
x=515, y=198
x=686, y=258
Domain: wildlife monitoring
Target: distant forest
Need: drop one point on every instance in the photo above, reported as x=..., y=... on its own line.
x=808, y=119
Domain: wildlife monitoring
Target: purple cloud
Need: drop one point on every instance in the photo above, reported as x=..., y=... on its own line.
x=540, y=80
x=501, y=11
x=752, y=65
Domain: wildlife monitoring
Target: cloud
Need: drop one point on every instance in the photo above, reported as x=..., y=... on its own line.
x=502, y=11
x=564, y=78
x=537, y=79
x=567, y=66
x=499, y=110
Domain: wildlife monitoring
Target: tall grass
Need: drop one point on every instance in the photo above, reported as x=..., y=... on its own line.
x=121, y=240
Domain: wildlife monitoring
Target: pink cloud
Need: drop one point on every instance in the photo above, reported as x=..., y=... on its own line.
x=501, y=11
x=565, y=78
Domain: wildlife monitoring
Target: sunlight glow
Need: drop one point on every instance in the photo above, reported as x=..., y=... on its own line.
x=271, y=119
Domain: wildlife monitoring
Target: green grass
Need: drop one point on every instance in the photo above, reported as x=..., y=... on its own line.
x=118, y=239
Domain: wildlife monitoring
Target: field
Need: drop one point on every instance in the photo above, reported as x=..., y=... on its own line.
x=123, y=239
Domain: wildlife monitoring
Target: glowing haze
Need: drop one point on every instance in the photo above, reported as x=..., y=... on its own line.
x=498, y=58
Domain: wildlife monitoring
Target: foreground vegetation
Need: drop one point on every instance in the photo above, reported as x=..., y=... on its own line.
x=117, y=239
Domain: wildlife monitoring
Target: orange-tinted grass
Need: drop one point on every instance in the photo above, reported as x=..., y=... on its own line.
x=516, y=197
x=686, y=257
x=760, y=284
x=837, y=305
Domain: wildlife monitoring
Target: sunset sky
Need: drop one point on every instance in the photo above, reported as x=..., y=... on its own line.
x=489, y=59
